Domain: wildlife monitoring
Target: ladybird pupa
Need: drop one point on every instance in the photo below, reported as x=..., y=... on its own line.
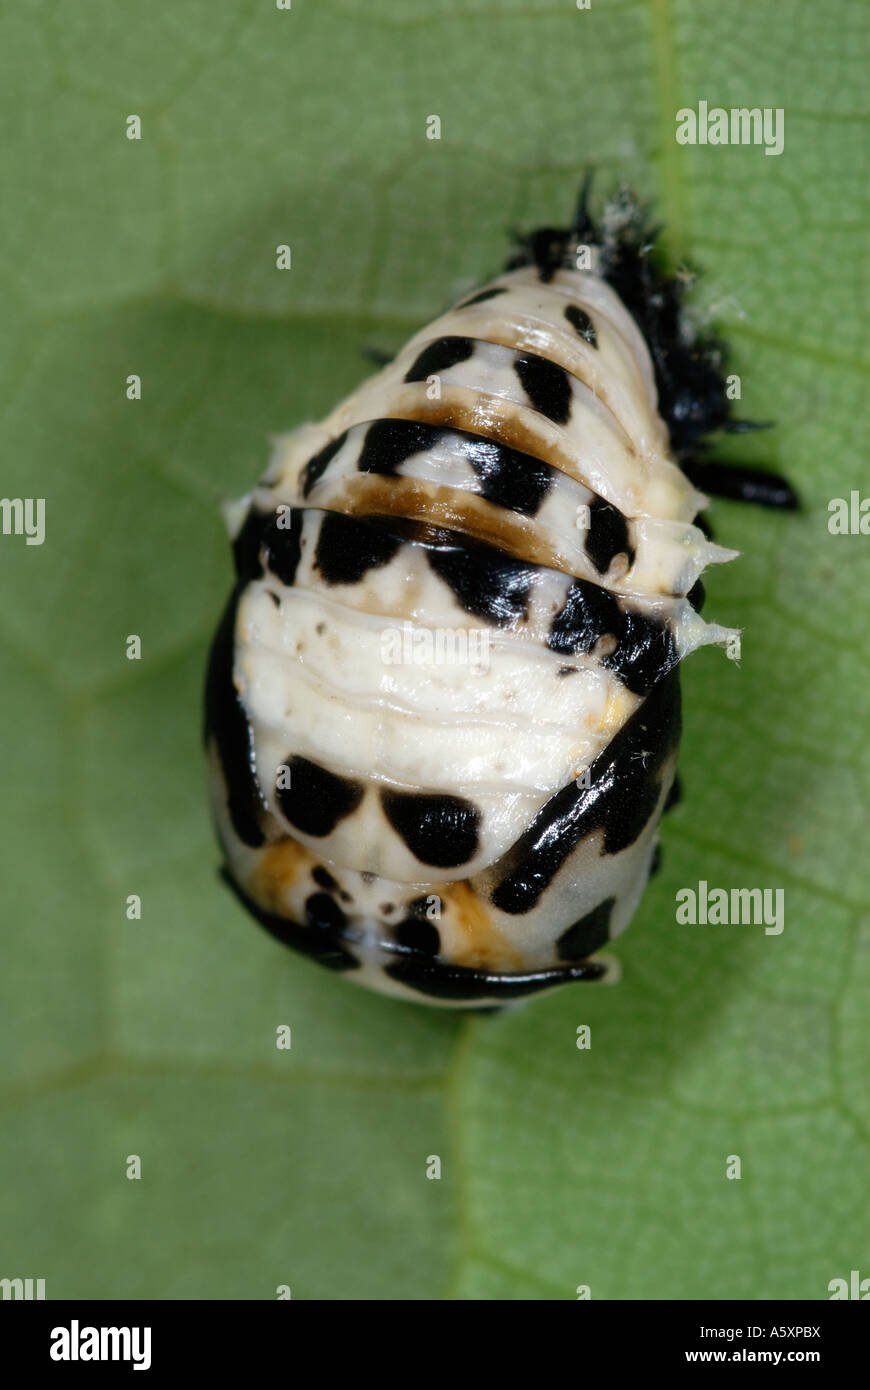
x=442, y=708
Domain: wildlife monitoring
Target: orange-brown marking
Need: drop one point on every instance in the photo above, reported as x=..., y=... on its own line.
x=484, y=948
x=437, y=505
x=506, y=429
x=280, y=867
x=507, y=422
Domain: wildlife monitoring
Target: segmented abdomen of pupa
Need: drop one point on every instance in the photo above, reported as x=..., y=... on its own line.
x=444, y=703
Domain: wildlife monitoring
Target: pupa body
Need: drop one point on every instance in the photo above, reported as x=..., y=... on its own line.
x=443, y=706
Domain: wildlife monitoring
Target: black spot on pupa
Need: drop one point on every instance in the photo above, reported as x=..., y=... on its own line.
x=645, y=651
x=547, y=385
x=317, y=466
x=418, y=936
x=509, y=478
x=419, y=907
x=624, y=788
x=580, y=320
x=281, y=544
x=486, y=582
x=587, y=934
x=440, y=356
x=388, y=443
x=324, y=878
x=481, y=296
x=439, y=980
x=607, y=536
x=440, y=830
x=316, y=800
x=247, y=544
x=347, y=547
x=589, y=612
x=227, y=722
x=643, y=648
x=323, y=911
x=321, y=938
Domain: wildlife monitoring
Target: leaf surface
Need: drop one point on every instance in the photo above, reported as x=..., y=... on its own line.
x=156, y=257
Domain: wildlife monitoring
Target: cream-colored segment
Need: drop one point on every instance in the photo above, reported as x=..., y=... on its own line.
x=648, y=482
x=670, y=555
x=590, y=292
x=330, y=696
x=364, y=840
x=466, y=671
x=420, y=709
x=407, y=588
x=603, y=464
x=530, y=317
x=601, y=460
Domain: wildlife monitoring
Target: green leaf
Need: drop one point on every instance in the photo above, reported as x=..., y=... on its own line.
x=156, y=1037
